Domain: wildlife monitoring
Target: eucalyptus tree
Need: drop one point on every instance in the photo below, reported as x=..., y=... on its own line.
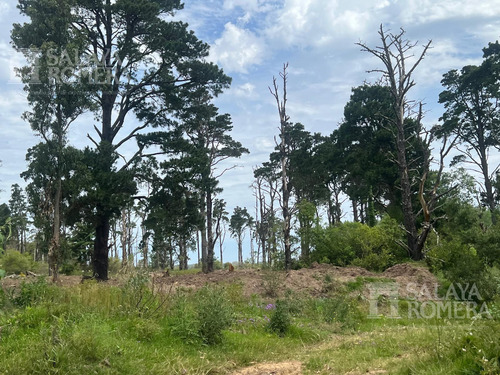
x=133, y=62
x=220, y=224
x=239, y=222
x=55, y=103
x=19, y=216
x=266, y=187
x=5, y=226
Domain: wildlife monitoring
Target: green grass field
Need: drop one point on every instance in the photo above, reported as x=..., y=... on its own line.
x=100, y=329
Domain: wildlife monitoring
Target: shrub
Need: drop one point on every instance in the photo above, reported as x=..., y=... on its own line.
x=32, y=292
x=280, y=320
x=214, y=313
x=374, y=248
x=184, y=321
x=460, y=264
x=271, y=283
x=341, y=309
x=15, y=262
x=69, y=268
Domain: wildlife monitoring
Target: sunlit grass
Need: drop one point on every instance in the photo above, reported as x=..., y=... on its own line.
x=95, y=328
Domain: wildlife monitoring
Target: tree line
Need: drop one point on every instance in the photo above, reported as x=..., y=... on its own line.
x=159, y=145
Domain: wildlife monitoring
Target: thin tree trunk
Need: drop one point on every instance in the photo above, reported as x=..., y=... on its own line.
x=54, y=249
x=210, y=234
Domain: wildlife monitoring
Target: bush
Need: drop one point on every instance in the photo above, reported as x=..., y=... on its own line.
x=341, y=309
x=374, y=248
x=184, y=321
x=280, y=320
x=32, y=293
x=15, y=262
x=272, y=281
x=214, y=313
x=460, y=264
x=69, y=268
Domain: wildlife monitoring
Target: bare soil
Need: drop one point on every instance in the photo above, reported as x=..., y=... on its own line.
x=283, y=368
x=319, y=280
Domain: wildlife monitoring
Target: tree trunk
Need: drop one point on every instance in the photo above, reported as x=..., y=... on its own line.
x=210, y=235
x=240, y=250
x=55, y=243
x=221, y=241
x=100, y=256
x=355, y=211
x=406, y=194
x=124, y=239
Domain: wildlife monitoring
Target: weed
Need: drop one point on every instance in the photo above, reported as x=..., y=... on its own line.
x=280, y=321
x=214, y=312
x=271, y=283
x=31, y=292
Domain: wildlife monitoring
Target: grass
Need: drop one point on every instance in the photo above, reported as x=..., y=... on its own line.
x=100, y=329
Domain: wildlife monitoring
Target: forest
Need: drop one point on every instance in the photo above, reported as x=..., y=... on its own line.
x=383, y=200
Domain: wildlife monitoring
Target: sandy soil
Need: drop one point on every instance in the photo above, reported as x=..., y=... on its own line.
x=283, y=368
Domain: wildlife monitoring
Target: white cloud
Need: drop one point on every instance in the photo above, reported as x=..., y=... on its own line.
x=237, y=49
x=424, y=11
x=249, y=5
x=317, y=23
x=4, y=9
x=246, y=90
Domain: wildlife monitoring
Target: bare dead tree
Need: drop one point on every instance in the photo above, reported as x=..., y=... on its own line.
x=395, y=54
x=284, y=151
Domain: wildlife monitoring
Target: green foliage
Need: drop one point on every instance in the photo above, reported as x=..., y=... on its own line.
x=183, y=320
x=32, y=293
x=272, y=281
x=374, y=248
x=214, y=314
x=5, y=233
x=461, y=264
x=280, y=321
x=342, y=309
x=202, y=316
x=15, y=262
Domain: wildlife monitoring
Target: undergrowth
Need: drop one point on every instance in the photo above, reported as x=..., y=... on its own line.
x=145, y=327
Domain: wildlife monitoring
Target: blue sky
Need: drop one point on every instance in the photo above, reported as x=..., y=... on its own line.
x=251, y=39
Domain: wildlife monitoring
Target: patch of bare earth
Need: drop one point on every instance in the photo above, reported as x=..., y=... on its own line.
x=282, y=368
x=316, y=281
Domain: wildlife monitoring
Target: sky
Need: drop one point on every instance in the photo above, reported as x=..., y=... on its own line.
x=251, y=39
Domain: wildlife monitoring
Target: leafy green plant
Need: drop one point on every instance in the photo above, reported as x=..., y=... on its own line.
x=280, y=321
x=214, y=313
x=15, y=262
x=32, y=292
x=183, y=320
x=271, y=283
x=374, y=248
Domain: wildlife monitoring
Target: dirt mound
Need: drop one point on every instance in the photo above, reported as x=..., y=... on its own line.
x=319, y=280
x=406, y=269
x=414, y=282
x=283, y=368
